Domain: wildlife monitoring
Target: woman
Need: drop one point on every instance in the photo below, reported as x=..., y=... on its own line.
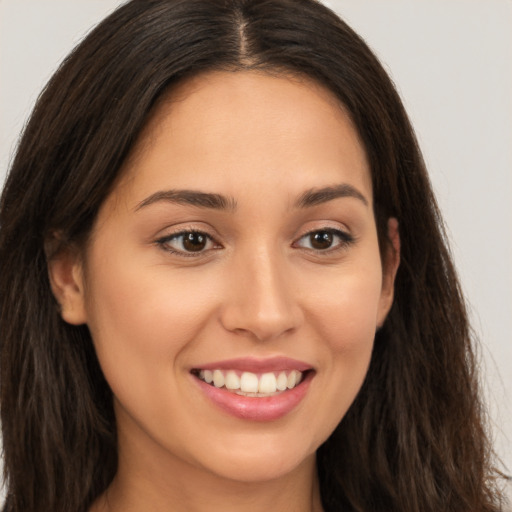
x=224, y=279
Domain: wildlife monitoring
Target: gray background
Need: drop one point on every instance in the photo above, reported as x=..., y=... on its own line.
x=451, y=62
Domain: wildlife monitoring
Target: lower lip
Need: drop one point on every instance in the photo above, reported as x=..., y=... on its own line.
x=266, y=408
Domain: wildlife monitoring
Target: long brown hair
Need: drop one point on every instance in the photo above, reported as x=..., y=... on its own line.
x=414, y=439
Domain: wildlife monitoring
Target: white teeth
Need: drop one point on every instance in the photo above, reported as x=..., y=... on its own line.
x=218, y=379
x=249, y=382
x=232, y=380
x=292, y=379
x=282, y=382
x=268, y=383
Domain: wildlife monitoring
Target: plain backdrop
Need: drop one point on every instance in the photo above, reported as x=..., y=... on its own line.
x=451, y=61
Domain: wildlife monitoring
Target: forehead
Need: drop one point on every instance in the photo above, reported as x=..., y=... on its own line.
x=223, y=127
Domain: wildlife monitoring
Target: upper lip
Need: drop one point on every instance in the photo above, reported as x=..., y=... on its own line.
x=257, y=365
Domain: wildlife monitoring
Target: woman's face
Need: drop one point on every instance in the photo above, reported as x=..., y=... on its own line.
x=240, y=246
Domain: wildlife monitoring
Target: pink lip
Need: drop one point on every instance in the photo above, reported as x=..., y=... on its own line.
x=254, y=365
x=257, y=408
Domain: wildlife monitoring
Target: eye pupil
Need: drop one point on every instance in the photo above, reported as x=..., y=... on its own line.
x=321, y=240
x=194, y=242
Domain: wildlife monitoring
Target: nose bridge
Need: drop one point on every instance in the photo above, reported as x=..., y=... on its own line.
x=261, y=300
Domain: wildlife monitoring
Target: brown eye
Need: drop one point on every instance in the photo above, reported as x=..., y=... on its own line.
x=194, y=242
x=321, y=240
x=325, y=240
x=187, y=243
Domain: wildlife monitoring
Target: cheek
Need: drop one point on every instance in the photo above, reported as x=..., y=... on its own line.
x=351, y=329
x=141, y=324
x=346, y=307
x=344, y=320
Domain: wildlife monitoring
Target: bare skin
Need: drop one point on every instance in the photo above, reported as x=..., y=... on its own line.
x=298, y=492
x=285, y=266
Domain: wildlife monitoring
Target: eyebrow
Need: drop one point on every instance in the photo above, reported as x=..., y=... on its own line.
x=316, y=196
x=309, y=198
x=190, y=197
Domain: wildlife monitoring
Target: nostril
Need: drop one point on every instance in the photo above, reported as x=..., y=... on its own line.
x=244, y=322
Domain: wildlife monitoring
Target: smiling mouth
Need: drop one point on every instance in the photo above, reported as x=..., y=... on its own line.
x=251, y=384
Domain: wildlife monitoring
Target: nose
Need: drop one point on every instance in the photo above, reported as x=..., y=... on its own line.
x=261, y=300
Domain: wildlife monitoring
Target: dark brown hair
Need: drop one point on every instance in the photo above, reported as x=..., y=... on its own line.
x=414, y=438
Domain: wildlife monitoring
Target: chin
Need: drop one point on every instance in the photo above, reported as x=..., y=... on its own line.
x=258, y=468
x=260, y=458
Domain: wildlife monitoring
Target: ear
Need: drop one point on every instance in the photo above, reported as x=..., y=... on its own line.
x=67, y=283
x=391, y=261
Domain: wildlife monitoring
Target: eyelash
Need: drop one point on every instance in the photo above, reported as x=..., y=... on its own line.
x=345, y=240
x=165, y=241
